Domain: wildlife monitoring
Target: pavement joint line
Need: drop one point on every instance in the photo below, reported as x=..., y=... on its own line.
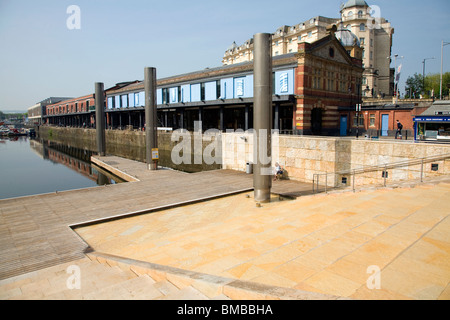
x=156, y=209
x=416, y=241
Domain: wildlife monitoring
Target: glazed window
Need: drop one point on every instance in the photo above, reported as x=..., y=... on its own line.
x=372, y=120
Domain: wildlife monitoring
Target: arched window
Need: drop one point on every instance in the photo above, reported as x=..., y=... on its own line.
x=350, y=14
x=360, y=14
x=362, y=27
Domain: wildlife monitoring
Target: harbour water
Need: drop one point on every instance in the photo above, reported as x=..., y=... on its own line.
x=35, y=166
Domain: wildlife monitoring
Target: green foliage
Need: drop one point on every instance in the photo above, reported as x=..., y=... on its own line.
x=415, y=85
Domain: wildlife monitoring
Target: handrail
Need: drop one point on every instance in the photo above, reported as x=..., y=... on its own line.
x=385, y=167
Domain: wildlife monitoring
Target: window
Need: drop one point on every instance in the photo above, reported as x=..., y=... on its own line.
x=372, y=120
x=284, y=79
x=202, y=91
x=239, y=90
x=165, y=95
x=316, y=79
x=350, y=14
x=362, y=27
x=310, y=34
x=299, y=38
x=124, y=101
x=362, y=40
x=360, y=14
x=361, y=120
x=371, y=42
x=276, y=43
x=330, y=85
x=218, y=89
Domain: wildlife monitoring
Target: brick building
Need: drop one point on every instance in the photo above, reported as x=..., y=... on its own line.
x=380, y=119
x=309, y=87
x=327, y=78
x=72, y=112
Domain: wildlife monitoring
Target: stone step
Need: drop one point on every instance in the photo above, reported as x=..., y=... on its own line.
x=179, y=284
x=98, y=281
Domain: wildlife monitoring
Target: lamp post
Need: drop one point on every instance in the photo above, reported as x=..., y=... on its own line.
x=423, y=74
x=442, y=63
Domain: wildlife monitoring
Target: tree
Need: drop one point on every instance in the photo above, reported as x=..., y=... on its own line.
x=432, y=82
x=414, y=86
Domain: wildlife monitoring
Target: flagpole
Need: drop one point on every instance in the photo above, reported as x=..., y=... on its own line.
x=396, y=76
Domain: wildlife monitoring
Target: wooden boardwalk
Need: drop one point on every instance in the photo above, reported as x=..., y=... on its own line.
x=35, y=231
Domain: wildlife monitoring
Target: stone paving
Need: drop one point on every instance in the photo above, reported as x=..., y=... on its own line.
x=327, y=244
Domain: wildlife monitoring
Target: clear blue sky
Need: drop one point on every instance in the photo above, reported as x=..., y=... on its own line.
x=40, y=57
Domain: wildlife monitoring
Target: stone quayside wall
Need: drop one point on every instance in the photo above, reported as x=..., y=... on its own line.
x=301, y=156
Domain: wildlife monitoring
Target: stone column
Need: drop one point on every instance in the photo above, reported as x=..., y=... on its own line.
x=262, y=115
x=100, y=117
x=151, y=121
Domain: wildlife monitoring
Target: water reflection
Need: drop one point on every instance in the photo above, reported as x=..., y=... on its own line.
x=35, y=166
x=76, y=159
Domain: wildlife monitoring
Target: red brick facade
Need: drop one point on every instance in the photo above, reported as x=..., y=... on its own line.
x=81, y=104
x=326, y=78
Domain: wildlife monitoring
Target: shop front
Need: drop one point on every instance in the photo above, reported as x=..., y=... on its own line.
x=434, y=123
x=432, y=128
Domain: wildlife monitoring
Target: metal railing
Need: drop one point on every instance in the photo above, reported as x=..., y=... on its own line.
x=384, y=168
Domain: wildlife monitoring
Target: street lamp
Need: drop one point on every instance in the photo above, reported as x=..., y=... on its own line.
x=423, y=75
x=442, y=62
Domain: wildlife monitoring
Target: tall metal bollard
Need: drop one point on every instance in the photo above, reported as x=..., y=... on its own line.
x=262, y=115
x=100, y=117
x=151, y=118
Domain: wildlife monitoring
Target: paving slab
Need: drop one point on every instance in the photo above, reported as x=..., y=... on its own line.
x=299, y=244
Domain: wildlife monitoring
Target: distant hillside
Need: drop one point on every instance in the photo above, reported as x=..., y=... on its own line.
x=13, y=111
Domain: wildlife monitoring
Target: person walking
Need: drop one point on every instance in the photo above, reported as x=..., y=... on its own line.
x=399, y=130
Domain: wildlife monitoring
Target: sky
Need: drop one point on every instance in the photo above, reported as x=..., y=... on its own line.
x=42, y=56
